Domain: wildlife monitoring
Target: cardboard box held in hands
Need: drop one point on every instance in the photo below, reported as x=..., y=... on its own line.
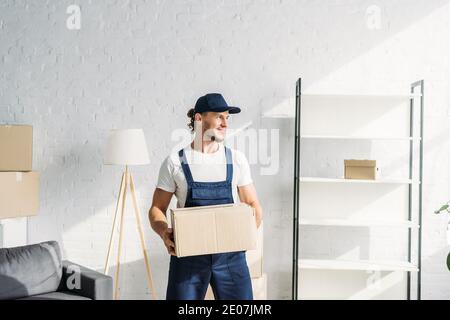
x=213, y=229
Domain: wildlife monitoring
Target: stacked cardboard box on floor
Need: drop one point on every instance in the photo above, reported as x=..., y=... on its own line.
x=255, y=265
x=19, y=185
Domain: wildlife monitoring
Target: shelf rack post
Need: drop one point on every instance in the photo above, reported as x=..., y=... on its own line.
x=410, y=187
x=296, y=190
x=414, y=85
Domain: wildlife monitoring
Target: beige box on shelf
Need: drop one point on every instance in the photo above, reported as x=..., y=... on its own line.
x=213, y=229
x=16, y=147
x=19, y=194
x=360, y=169
x=255, y=256
x=259, y=286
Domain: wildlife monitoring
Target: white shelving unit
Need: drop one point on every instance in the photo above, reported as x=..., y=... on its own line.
x=357, y=222
x=363, y=265
x=356, y=118
x=329, y=137
x=342, y=180
x=284, y=111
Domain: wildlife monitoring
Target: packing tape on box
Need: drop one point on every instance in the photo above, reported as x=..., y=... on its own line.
x=19, y=176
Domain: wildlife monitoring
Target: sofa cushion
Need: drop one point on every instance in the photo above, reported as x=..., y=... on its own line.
x=60, y=295
x=30, y=270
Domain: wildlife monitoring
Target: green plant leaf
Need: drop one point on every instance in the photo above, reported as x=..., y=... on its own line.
x=443, y=208
x=448, y=262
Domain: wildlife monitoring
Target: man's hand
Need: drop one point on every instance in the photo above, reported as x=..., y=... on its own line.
x=247, y=194
x=167, y=236
x=158, y=221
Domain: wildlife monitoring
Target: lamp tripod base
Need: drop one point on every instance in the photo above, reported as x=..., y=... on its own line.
x=128, y=183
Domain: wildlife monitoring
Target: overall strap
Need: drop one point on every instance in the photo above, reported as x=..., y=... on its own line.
x=185, y=167
x=229, y=164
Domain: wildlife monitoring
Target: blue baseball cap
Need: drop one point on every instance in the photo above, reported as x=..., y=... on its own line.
x=214, y=102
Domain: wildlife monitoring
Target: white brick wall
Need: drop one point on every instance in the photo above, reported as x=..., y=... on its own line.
x=142, y=64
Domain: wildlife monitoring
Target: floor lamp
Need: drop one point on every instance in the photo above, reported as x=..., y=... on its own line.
x=127, y=147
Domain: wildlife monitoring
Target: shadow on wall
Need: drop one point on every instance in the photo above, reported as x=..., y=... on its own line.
x=72, y=185
x=317, y=49
x=277, y=284
x=133, y=283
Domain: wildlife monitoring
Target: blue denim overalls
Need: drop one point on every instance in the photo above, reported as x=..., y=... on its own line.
x=227, y=272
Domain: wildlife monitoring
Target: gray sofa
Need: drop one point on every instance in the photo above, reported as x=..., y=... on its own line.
x=36, y=272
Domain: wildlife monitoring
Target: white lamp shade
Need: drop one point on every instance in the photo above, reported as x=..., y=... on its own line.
x=126, y=147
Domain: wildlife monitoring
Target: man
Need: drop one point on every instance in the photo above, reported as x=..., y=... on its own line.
x=205, y=173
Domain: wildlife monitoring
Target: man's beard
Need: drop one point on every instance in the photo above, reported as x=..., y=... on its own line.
x=210, y=135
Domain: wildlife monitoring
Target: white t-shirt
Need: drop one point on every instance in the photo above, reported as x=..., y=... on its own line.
x=205, y=167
